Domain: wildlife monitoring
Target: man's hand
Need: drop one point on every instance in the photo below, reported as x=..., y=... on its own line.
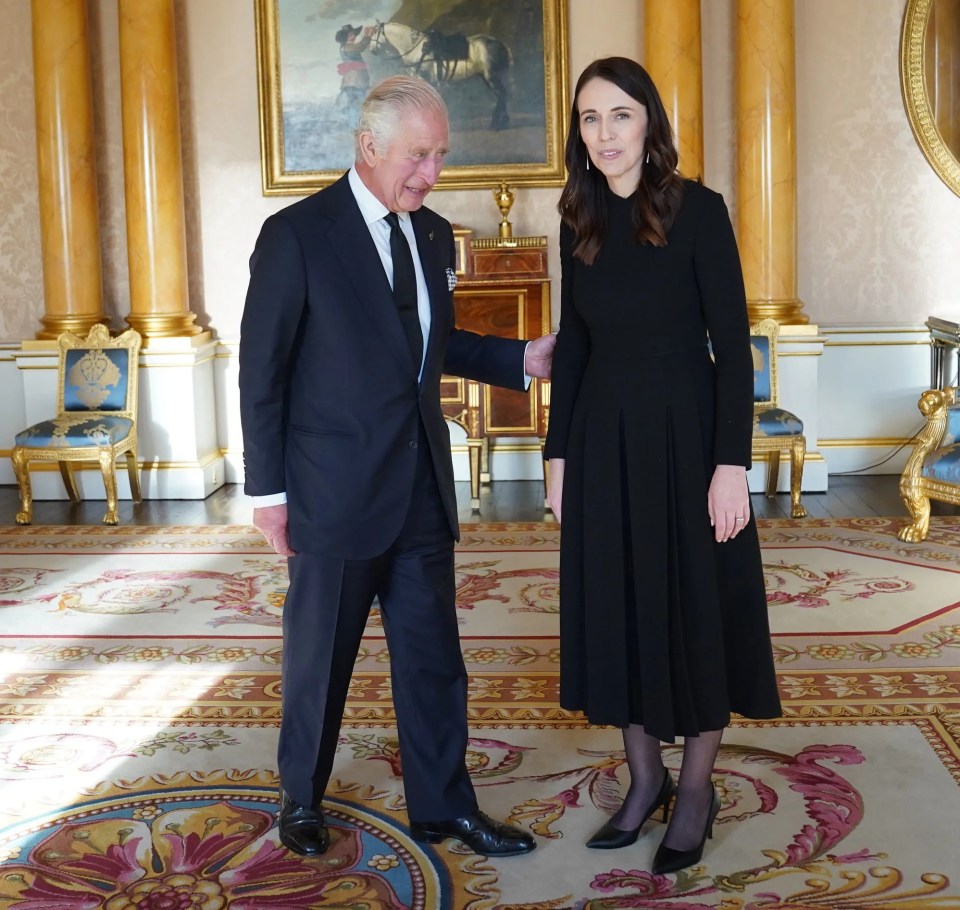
x=271, y=522
x=539, y=356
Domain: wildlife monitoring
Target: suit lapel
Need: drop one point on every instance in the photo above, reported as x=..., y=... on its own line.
x=351, y=241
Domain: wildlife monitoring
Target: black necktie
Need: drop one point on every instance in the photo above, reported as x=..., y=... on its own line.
x=405, y=288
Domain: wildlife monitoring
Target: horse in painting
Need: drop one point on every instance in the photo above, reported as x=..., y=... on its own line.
x=428, y=54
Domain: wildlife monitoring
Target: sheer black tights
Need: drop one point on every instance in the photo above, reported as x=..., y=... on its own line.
x=694, y=791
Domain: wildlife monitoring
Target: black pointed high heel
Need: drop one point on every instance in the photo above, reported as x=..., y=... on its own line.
x=610, y=837
x=670, y=860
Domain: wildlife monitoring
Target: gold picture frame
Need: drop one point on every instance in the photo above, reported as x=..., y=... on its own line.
x=507, y=123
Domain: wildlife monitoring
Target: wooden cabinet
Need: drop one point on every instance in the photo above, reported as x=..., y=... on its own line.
x=503, y=289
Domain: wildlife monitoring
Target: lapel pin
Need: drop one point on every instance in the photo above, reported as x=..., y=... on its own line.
x=430, y=235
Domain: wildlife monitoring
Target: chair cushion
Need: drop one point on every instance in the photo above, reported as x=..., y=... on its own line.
x=776, y=422
x=943, y=464
x=74, y=431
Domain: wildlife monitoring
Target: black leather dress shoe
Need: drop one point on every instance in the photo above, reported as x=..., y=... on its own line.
x=669, y=860
x=302, y=830
x=610, y=837
x=479, y=832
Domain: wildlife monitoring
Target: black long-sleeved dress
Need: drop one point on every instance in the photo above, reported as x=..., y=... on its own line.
x=659, y=624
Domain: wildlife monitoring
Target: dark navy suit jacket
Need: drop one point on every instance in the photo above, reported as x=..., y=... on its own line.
x=329, y=398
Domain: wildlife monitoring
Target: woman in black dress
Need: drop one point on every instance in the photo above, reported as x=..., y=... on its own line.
x=663, y=615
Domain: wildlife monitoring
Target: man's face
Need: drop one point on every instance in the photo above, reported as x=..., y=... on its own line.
x=410, y=166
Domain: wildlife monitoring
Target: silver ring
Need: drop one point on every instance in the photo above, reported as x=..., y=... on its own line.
x=739, y=519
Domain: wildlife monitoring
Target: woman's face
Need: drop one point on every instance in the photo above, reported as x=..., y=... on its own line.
x=613, y=126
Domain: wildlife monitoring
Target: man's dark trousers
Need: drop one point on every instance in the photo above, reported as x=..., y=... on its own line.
x=327, y=606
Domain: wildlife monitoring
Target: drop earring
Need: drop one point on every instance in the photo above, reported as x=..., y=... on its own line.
x=588, y=162
x=648, y=158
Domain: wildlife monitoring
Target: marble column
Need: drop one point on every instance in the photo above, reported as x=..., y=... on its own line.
x=672, y=57
x=66, y=165
x=153, y=171
x=766, y=160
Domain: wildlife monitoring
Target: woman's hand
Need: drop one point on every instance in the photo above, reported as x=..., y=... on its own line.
x=728, y=501
x=555, y=485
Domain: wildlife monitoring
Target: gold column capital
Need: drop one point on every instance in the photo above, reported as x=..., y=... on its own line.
x=55, y=325
x=786, y=312
x=160, y=325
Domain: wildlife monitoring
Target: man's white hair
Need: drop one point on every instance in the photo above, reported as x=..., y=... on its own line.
x=383, y=109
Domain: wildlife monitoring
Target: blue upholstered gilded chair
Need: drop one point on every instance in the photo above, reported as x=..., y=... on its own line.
x=933, y=468
x=96, y=417
x=774, y=429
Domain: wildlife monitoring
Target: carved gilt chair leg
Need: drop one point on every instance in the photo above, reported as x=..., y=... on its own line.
x=474, y=448
x=934, y=405
x=21, y=469
x=108, y=470
x=69, y=480
x=918, y=505
x=773, y=472
x=134, y=475
x=798, y=452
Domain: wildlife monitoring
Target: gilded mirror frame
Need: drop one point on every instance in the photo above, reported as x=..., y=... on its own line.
x=916, y=100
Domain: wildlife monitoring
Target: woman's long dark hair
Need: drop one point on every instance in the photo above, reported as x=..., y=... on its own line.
x=582, y=203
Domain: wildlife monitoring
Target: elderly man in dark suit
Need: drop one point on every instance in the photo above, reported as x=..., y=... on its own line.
x=347, y=328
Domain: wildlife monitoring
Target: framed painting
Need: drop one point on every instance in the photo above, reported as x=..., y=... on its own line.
x=501, y=66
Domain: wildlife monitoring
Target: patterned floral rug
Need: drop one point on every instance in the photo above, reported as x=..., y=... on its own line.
x=139, y=701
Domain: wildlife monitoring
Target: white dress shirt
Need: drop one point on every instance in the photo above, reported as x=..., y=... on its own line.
x=374, y=212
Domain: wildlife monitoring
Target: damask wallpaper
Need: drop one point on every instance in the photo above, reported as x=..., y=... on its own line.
x=21, y=279
x=878, y=231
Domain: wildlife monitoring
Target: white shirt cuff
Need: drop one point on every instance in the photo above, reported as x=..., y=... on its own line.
x=271, y=499
x=526, y=379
